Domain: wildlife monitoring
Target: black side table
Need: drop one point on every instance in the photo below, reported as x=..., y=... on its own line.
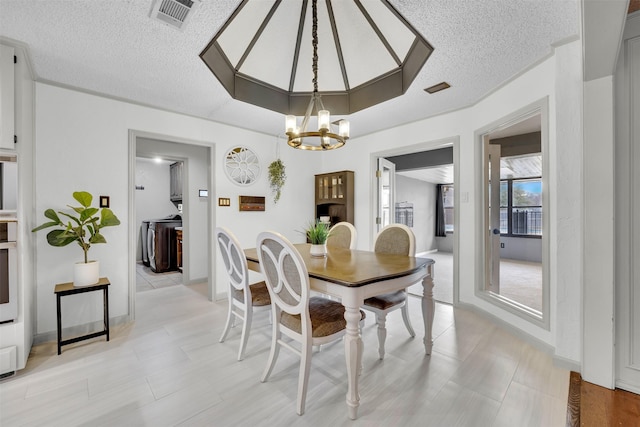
x=64, y=289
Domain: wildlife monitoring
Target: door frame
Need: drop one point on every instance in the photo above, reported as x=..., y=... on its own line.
x=538, y=107
x=423, y=146
x=133, y=227
x=384, y=163
x=626, y=151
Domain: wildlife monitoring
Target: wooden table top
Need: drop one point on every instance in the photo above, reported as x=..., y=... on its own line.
x=353, y=268
x=63, y=287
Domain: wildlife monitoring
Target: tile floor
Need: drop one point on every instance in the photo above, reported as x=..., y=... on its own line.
x=167, y=368
x=147, y=280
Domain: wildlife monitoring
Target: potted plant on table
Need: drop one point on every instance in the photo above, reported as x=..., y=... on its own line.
x=83, y=228
x=317, y=232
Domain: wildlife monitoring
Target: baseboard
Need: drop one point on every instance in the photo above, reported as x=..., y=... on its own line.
x=568, y=364
x=197, y=281
x=633, y=388
x=432, y=251
x=537, y=343
x=74, y=331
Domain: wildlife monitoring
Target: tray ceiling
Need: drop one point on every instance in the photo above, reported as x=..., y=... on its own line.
x=115, y=48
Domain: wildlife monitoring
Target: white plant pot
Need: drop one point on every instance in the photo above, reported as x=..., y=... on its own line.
x=86, y=274
x=318, y=250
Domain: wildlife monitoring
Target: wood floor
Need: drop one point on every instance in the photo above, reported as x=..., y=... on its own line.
x=593, y=406
x=168, y=368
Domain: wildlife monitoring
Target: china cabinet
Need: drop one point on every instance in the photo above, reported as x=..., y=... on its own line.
x=334, y=196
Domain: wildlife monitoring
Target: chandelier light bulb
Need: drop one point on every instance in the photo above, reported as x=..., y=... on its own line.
x=324, y=120
x=290, y=124
x=343, y=129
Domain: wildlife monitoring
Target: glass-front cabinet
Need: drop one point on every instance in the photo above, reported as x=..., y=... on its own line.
x=334, y=197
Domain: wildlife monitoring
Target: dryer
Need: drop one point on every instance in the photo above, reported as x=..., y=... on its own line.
x=161, y=244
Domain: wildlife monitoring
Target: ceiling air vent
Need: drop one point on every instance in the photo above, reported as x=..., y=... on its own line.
x=175, y=13
x=438, y=87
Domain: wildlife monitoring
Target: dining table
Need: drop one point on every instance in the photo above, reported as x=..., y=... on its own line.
x=353, y=276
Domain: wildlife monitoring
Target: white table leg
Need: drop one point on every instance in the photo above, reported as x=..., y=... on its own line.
x=353, y=348
x=428, y=309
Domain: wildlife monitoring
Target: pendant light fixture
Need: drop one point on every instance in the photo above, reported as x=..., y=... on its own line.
x=323, y=138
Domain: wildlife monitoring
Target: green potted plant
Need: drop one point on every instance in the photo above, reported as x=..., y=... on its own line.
x=277, y=177
x=83, y=227
x=318, y=232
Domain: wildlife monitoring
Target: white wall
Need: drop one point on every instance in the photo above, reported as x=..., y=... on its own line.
x=598, y=231
x=521, y=248
x=565, y=170
x=82, y=142
x=558, y=78
x=445, y=244
x=423, y=195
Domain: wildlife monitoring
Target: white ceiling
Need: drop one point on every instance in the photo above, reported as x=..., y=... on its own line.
x=527, y=166
x=113, y=47
x=434, y=175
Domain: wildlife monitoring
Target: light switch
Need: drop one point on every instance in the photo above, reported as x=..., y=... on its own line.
x=224, y=201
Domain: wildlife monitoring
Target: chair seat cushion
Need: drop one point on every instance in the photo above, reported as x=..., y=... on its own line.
x=327, y=317
x=259, y=294
x=385, y=301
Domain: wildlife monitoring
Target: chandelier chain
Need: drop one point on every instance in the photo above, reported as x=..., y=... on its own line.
x=314, y=41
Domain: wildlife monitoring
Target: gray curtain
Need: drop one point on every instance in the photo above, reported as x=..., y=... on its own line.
x=439, y=212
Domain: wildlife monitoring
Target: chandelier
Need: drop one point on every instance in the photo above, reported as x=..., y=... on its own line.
x=323, y=138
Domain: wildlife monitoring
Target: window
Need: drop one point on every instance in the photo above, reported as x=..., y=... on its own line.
x=521, y=207
x=447, y=202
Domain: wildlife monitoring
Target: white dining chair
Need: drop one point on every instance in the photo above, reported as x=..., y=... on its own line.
x=310, y=321
x=244, y=298
x=392, y=239
x=343, y=235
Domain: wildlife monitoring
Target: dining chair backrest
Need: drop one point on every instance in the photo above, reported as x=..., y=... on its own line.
x=286, y=275
x=395, y=239
x=343, y=235
x=234, y=260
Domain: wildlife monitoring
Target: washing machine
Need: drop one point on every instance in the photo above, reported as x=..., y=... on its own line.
x=161, y=244
x=144, y=229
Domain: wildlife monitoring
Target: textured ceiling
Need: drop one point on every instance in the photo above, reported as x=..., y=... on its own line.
x=113, y=47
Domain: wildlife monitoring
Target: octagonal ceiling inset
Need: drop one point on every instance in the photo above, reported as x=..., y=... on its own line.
x=367, y=54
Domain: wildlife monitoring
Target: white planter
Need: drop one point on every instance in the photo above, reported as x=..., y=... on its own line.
x=86, y=274
x=318, y=250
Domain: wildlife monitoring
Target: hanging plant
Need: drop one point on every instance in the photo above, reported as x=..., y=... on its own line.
x=277, y=176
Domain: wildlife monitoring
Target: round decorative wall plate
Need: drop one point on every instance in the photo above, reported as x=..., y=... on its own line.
x=242, y=166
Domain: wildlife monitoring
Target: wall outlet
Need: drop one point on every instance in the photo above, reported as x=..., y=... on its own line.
x=502, y=245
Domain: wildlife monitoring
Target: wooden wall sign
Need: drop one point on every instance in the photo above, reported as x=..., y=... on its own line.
x=251, y=203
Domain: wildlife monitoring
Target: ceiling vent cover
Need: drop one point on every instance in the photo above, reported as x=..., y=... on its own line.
x=175, y=13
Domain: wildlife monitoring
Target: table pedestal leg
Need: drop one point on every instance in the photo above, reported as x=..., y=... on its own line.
x=428, y=310
x=353, y=352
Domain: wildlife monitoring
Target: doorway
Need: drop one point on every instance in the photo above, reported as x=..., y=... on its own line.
x=196, y=218
x=513, y=226
x=409, y=183
x=159, y=211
